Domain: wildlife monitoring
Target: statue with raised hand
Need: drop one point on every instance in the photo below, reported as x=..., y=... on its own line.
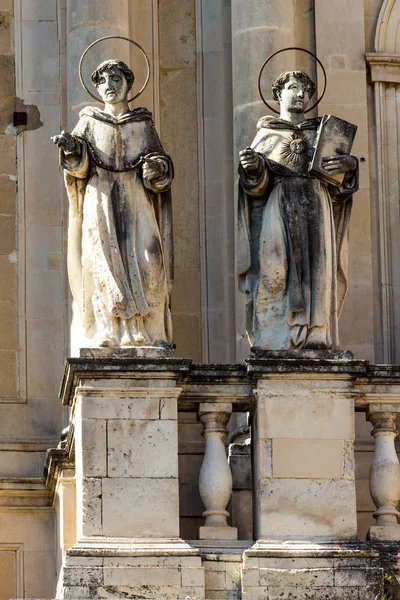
x=120, y=253
x=295, y=201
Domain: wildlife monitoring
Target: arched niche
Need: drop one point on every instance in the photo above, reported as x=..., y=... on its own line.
x=384, y=66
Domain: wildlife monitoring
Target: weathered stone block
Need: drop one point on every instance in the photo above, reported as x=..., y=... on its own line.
x=76, y=593
x=215, y=580
x=140, y=507
x=290, y=507
x=138, y=408
x=177, y=562
x=82, y=576
x=91, y=438
x=142, y=449
x=283, y=416
x=250, y=578
x=306, y=593
x=350, y=578
x=193, y=578
x=142, y=576
x=295, y=563
x=310, y=578
x=307, y=459
x=255, y=593
x=91, y=518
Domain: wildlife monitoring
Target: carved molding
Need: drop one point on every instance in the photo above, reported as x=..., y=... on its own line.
x=384, y=67
x=386, y=39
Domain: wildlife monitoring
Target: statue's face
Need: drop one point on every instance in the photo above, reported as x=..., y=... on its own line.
x=112, y=86
x=294, y=96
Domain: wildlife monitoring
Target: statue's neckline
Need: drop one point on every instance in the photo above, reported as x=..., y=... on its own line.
x=137, y=114
x=276, y=122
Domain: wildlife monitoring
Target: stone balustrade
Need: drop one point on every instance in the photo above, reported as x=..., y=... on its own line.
x=380, y=400
x=303, y=510
x=385, y=472
x=215, y=481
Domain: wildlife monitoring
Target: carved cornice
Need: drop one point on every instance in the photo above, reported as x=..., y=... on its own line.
x=57, y=460
x=384, y=67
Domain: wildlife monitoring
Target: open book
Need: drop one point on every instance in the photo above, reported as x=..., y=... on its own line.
x=334, y=137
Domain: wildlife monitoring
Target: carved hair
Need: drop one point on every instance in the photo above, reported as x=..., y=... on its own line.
x=109, y=64
x=284, y=78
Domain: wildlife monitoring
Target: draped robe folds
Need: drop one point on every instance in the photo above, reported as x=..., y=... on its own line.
x=120, y=232
x=292, y=242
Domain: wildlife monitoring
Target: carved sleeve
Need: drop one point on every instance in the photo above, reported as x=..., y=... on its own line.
x=348, y=187
x=76, y=163
x=163, y=182
x=255, y=186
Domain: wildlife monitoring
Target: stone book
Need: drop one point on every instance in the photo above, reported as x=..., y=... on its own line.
x=334, y=137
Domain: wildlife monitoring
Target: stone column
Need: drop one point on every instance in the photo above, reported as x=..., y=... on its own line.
x=215, y=481
x=124, y=414
x=385, y=473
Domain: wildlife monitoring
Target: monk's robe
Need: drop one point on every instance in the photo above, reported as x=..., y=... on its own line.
x=120, y=238
x=292, y=242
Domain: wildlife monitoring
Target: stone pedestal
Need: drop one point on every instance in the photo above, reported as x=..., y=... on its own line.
x=124, y=415
x=304, y=483
x=311, y=571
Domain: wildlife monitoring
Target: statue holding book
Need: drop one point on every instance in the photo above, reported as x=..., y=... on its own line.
x=118, y=178
x=295, y=193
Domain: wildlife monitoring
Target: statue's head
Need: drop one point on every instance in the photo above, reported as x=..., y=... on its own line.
x=113, y=80
x=293, y=90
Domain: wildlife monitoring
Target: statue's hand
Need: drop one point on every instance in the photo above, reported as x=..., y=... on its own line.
x=339, y=164
x=153, y=168
x=250, y=161
x=65, y=141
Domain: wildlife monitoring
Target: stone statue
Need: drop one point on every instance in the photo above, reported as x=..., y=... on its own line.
x=120, y=254
x=292, y=238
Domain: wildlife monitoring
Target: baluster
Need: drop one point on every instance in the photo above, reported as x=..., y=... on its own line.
x=384, y=478
x=215, y=480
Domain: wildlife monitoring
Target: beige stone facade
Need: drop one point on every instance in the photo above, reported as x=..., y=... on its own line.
x=205, y=57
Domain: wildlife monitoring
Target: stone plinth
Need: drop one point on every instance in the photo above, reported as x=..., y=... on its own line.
x=124, y=417
x=304, y=481
x=303, y=445
x=335, y=571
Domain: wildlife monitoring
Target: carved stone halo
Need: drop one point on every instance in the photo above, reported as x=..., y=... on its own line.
x=115, y=37
x=285, y=50
x=295, y=149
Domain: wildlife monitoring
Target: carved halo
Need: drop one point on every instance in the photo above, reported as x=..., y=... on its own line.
x=117, y=37
x=284, y=50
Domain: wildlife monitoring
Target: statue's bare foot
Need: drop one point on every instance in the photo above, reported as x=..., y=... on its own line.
x=139, y=339
x=107, y=342
x=126, y=339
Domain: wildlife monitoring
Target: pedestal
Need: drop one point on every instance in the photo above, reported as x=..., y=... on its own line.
x=124, y=415
x=304, y=482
